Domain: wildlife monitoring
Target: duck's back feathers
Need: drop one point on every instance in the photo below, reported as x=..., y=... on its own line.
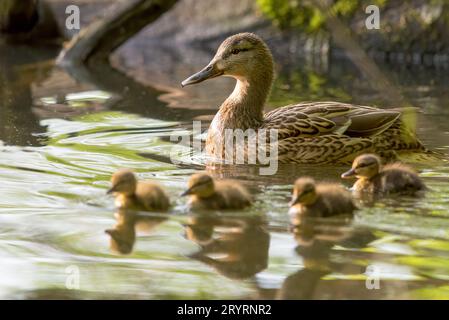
x=331, y=132
x=316, y=118
x=228, y=194
x=152, y=197
x=234, y=193
x=398, y=178
x=334, y=200
x=332, y=148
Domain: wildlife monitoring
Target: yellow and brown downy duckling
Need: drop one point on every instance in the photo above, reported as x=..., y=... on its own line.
x=137, y=195
x=308, y=132
x=394, y=178
x=205, y=193
x=319, y=200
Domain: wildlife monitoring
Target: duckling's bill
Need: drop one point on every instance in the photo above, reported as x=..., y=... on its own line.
x=187, y=192
x=111, y=190
x=348, y=174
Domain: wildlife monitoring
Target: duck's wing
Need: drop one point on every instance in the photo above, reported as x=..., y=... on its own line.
x=320, y=118
x=332, y=148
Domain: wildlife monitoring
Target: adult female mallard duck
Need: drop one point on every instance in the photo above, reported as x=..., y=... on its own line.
x=308, y=132
x=393, y=178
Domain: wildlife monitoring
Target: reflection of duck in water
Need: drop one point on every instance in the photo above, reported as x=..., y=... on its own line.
x=241, y=243
x=395, y=178
x=134, y=195
x=205, y=193
x=315, y=237
x=123, y=234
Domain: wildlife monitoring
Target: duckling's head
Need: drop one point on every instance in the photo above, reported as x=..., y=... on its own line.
x=200, y=184
x=304, y=192
x=242, y=56
x=123, y=181
x=364, y=166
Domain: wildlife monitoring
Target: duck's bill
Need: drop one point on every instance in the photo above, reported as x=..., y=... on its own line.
x=348, y=174
x=208, y=72
x=295, y=200
x=186, y=193
x=111, y=190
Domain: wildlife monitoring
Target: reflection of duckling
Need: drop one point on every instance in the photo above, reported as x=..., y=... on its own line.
x=301, y=285
x=319, y=200
x=205, y=193
x=134, y=195
x=392, y=178
x=200, y=228
x=238, y=248
x=123, y=235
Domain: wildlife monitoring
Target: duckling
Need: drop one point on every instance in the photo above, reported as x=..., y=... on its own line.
x=319, y=200
x=134, y=195
x=205, y=193
x=392, y=178
x=308, y=132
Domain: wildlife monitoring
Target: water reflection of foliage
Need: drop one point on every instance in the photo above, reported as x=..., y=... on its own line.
x=296, y=85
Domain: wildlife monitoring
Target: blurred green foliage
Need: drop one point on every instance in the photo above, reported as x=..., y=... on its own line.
x=305, y=14
x=304, y=84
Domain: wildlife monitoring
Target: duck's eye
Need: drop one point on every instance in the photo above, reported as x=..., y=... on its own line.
x=237, y=51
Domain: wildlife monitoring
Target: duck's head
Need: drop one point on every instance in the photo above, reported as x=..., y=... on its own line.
x=242, y=56
x=200, y=184
x=304, y=192
x=123, y=181
x=364, y=166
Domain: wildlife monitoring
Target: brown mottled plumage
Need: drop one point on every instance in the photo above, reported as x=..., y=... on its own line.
x=134, y=195
x=309, y=132
x=205, y=193
x=319, y=200
x=375, y=179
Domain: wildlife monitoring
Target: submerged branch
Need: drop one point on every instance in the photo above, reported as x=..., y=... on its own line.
x=98, y=40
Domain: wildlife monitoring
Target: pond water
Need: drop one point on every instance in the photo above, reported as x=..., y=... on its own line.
x=61, y=139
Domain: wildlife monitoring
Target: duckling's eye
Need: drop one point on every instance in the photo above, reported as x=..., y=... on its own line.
x=363, y=165
x=237, y=51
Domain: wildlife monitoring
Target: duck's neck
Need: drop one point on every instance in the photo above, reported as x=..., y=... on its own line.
x=243, y=109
